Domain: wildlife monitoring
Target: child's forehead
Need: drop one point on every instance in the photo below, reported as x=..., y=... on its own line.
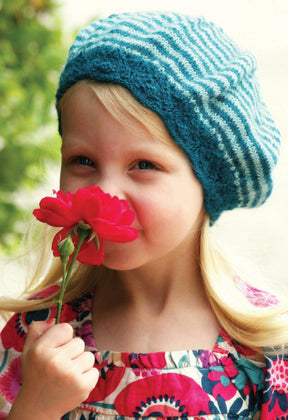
x=120, y=105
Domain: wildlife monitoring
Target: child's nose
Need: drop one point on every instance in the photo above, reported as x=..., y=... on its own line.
x=112, y=186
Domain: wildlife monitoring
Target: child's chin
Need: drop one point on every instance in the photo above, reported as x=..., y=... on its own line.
x=119, y=265
x=116, y=257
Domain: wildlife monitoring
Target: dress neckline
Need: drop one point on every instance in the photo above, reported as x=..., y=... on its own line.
x=223, y=347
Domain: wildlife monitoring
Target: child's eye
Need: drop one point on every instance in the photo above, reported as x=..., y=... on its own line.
x=83, y=160
x=144, y=164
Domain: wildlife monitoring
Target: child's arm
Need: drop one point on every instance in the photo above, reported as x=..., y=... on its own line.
x=57, y=374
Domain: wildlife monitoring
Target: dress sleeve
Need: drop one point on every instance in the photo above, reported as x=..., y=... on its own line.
x=275, y=397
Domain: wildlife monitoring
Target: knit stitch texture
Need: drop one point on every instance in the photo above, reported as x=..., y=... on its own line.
x=202, y=86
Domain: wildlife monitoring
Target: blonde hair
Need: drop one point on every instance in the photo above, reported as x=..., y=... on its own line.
x=255, y=327
x=263, y=328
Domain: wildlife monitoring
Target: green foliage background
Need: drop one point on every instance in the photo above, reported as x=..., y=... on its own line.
x=32, y=53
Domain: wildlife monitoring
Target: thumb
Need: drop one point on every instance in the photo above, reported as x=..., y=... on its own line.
x=36, y=330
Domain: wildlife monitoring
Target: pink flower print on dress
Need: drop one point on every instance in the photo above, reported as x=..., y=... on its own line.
x=85, y=332
x=183, y=397
x=277, y=380
x=14, y=334
x=223, y=384
x=256, y=296
x=109, y=378
x=10, y=381
x=225, y=339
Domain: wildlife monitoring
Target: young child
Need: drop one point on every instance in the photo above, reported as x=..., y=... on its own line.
x=164, y=111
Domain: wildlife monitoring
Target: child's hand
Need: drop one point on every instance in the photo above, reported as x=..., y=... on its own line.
x=57, y=374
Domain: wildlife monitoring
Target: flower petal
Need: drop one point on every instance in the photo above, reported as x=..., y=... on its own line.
x=114, y=233
x=81, y=200
x=55, y=212
x=89, y=254
x=127, y=217
x=111, y=209
x=53, y=219
x=91, y=209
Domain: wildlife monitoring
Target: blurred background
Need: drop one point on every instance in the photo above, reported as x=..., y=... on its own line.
x=34, y=40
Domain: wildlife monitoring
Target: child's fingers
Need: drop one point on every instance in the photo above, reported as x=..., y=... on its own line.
x=73, y=348
x=36, y=330
x=84, y=362
x=56, y=336
x=90, y=379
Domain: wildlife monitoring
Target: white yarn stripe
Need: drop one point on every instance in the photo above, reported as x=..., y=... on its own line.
x=221, y=52
x=254, y=154
x=214, y=56
x=154, y=53
x=245, y=100
x=180, y=44
x=269, y=125
x=226, y=45
x=140, y=54
x=266, y=132
x=241, y=103
x=164, y=43
x=222, y=147
x=194, y=41
x=166, y=46
x=254, y=160
x=225, y=109
x=239, y=159
x=170, y=51
x=159, y=56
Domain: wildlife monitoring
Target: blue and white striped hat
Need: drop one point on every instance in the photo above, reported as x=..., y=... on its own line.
x=201, y=85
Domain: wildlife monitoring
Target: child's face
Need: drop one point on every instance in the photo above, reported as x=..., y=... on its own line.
x=154, y=177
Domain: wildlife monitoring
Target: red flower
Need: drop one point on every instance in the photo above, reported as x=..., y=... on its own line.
x=10, y=382
x=224, y=386
x=107, y=218
x=169, y=395
x=109, y=379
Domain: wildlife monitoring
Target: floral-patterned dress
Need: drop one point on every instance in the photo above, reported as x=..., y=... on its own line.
x=225, y=383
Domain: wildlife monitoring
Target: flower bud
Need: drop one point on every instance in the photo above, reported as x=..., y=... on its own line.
x=66, y=247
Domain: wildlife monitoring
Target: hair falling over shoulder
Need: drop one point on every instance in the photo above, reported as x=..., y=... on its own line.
x=263, y=328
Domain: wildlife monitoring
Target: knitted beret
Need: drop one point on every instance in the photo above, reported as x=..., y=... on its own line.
x=203, y=88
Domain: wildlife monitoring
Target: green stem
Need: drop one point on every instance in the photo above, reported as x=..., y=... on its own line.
x=59, y=301
x=83, y=234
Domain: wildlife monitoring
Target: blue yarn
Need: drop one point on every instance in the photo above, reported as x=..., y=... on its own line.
x=202, y=86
